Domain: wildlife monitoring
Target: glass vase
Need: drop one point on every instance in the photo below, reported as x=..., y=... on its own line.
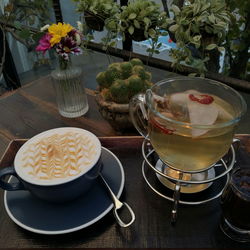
x=69, y=89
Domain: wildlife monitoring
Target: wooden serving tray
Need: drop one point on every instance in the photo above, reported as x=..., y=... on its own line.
x=197, y=226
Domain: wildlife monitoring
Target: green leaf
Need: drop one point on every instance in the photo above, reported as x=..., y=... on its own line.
x=211, y=18
x=163, y=33
x=146, y=21
x=208, y=29
x=197, y=38
x=163, y=14
x=25, y=34
x=197, y=7
x=112, y=44
x=169, y=21
x=111, y=25
x=152, y=33
x=131, y=30
x=175, y=9
x=184, y=22
x=226, y=18
x=205, y=6
x=137, y=24
x=132, y=16
x=219, y=35
x=192, y=74
x=221, y=49
x=187, y=60
x=173, y=28
x=211, y=46
x=206, y=59
x=195, y=28
x=17, y=24
x=159, y=45
x=150, y=9
x=37, y=36
x=107, y=6
x=222, y=24
x=197, y=45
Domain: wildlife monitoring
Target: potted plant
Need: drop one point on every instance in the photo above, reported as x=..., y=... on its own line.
x=199, y=29
x=97, y=13
x=117, y=85
x=142, y=19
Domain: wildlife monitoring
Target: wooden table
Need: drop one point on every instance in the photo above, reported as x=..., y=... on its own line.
x=32, y=109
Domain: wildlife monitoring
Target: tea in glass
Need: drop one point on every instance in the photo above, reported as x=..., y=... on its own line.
x=198, y=143
x=235, y=203
x=190, y=122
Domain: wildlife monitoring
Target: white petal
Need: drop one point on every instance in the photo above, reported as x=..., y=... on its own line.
x=78, y=39
x=45, y=27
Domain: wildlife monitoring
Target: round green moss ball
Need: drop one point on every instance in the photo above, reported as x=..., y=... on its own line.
x=136, y=61
x=112, y=74
x=135, y=85
x=140, y=71
x=119, y=91
x=126, y=69
x=101, y=80
x=114, y=65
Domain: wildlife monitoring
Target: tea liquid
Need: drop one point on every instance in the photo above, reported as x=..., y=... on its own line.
x=185, y=147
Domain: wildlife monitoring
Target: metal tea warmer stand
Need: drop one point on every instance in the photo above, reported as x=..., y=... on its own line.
x=225, y=164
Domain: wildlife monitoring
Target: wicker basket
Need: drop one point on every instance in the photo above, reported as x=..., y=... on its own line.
x=116, y=114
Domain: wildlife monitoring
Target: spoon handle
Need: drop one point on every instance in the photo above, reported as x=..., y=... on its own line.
x=118, y=205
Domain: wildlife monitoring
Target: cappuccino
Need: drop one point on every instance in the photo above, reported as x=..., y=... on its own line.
x=57, y=156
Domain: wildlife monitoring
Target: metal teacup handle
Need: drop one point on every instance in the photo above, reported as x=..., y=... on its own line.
x=118, y=205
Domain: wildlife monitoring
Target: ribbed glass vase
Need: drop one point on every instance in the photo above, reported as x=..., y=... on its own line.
x=69, y=88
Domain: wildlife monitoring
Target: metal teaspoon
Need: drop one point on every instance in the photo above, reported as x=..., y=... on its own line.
x=118, y=205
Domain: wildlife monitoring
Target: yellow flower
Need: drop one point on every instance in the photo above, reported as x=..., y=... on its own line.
x=58, y=31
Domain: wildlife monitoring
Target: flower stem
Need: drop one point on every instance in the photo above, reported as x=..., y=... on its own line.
x=64, y=64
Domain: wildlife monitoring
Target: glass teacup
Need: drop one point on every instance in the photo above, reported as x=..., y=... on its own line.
x=190, y=121
x=235, y=202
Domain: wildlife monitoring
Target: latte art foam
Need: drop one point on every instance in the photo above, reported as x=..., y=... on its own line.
x=58, y=156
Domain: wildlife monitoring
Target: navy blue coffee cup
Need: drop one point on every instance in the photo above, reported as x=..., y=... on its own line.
x=60, y=186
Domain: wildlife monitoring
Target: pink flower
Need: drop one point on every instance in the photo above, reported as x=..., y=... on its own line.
x=44, y=43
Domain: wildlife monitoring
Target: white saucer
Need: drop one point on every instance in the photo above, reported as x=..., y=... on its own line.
x=41, y=217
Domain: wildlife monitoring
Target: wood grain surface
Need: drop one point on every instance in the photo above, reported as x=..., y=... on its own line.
x=32, y=109
x=197, y=226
